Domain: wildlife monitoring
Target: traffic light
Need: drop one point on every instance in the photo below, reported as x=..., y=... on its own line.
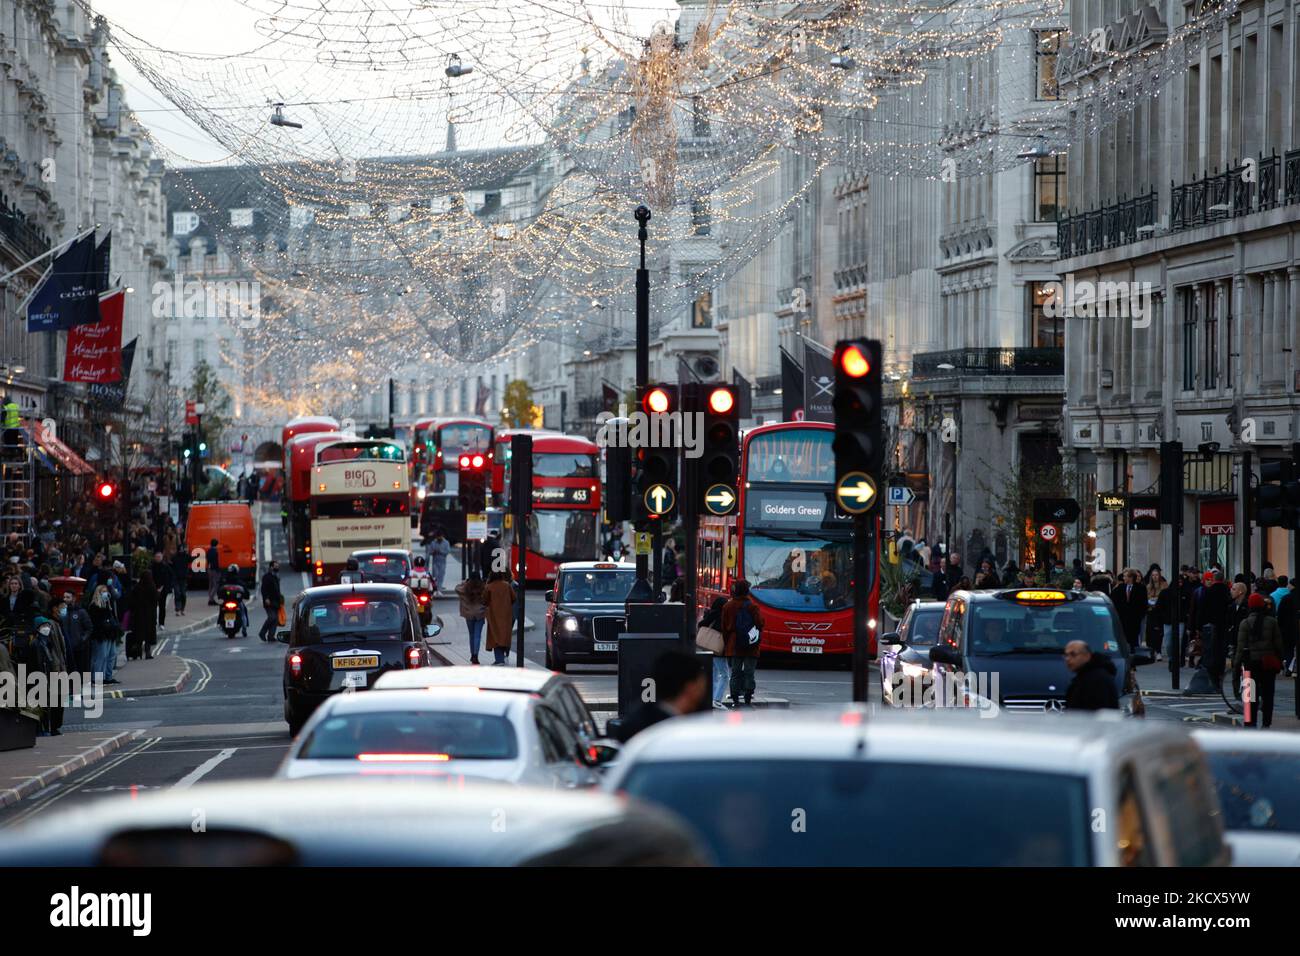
x=106, y=494
x=1278, y=505
x=472, y=483
x=187, y=445
x=859, y=424
x=719, y=464
x=618, y=483
x=1171, y=484
x=521, y=474
x=655, y=491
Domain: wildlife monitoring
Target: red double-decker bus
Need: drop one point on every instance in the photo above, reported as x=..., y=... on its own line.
x=299, y=458
x=565, y=521
x=788, y=540
x=307, y=424
x=438, y=443
x=501, y=456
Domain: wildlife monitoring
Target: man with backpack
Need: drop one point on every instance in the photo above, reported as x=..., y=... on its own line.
x=742, y=628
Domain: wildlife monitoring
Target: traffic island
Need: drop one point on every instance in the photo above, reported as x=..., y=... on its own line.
x=165, y=674
x=25, y=772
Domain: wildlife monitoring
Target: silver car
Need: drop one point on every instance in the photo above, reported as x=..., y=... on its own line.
x=445, y=734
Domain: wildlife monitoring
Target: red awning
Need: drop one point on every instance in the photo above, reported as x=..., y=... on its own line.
x=1219, y=517
x=65, y=456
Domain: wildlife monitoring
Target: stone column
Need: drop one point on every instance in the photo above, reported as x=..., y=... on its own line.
x=1222, y=345
x=1281, y=332
x=1268, y=333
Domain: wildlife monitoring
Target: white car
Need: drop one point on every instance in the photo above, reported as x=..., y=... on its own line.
x=849, y=787
x=1257, y=775
x=443, y=733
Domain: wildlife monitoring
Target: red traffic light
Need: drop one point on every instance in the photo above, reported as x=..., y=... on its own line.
x=854, y=362
x=657, y=401
x=477, y=461
x=472, y=461
x=106, y=490
x=464, y=461
x=721, y=401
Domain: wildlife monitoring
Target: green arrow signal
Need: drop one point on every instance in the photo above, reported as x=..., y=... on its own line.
x=719, y=499
x=656, y=496
x=855, y=492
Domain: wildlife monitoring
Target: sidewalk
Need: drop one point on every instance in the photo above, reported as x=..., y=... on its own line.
x=25, y=772
x=1211, y=708
x=164, y=674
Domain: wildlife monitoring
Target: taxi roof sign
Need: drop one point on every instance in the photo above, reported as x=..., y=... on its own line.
x=1038, y=596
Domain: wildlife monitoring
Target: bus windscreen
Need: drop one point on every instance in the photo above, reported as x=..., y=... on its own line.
x=792, y=455
x=457, y=439
x=563, y=465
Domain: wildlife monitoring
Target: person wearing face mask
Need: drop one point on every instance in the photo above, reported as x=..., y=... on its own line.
x=77, y=627
x=105, y=634
x=55, y=656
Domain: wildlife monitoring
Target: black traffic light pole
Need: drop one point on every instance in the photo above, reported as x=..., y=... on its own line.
x=864, y=568
x=1246, y=462
x=641, y=591
x=1171, y=494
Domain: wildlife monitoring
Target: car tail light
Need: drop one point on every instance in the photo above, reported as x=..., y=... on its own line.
x=413, y=657
x=230, y=605
x=295, y=665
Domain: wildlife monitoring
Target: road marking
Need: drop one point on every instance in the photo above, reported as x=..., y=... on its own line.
x=202, y=770
x=306, y=581
x=102, y=768
x=266, y=546
x=234, y=650
x=205, y=675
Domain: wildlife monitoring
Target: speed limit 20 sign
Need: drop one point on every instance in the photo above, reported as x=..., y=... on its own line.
x=1048, y=532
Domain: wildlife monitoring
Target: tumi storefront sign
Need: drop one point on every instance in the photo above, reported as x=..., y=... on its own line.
x=1144, y=513
x=1219, y=517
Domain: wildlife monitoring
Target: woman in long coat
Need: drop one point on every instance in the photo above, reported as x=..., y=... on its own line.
x=143, y=602
x=499, y=599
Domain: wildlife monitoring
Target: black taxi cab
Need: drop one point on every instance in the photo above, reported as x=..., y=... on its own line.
x=585, y=612
x=1006, y=648
x=343, y=637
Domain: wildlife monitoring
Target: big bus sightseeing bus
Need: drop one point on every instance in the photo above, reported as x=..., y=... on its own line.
x=787, y=539
x=360, y=498
x=565, y=520
x=299, y=459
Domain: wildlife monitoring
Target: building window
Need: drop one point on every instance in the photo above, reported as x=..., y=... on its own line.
x=1047, y=43
x=702, y=311
x=700, y=119
x=1189, y=341
x=464, y=396
x=1049, y=189
x=1211, y=338
x=200, y=352
x=173, y=365
x=701, y=216
x=1046, y=324
x=1228, y=354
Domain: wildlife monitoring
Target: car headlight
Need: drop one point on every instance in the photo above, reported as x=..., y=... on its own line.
x=570, y=624
x=913, y=670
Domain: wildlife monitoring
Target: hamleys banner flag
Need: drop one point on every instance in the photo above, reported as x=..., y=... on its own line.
x=95, y=350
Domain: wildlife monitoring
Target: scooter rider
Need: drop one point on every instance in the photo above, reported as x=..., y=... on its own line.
x=232, y=588
x=422, y=585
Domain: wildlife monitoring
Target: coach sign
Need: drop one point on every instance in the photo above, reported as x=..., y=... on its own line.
x=1144, y=512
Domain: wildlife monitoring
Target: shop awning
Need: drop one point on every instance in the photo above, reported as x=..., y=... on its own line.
x=68, y=459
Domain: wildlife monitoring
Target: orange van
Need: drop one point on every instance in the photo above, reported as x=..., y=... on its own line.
x=231, y=523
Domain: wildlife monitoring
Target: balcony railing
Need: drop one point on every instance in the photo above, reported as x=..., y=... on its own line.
x=1267, y=183
x=1018, y=361
x=767, y=384
x=29, y=240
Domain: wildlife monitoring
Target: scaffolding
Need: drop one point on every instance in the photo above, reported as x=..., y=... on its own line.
x=17, y=484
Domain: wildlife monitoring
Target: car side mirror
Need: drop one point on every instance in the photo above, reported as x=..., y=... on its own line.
x=943, y=654
x=282, y=637
x=892, y=638
x=550, y=597
x=434, y=628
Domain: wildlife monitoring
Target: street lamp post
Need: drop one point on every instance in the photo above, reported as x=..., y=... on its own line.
x=641, y=591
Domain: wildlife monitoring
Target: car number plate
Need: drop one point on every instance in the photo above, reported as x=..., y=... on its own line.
x=606, y=647
x=806, y=649
x=351, y=663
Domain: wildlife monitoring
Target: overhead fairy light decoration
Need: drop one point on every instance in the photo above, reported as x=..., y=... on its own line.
x=460, y=173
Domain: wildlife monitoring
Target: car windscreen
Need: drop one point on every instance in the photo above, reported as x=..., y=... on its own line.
x=767, y=812
x=1258, y=791
x=384, y=568
x=434, y=735
x=1002, y=627
x=354, y=618
x=596, y=587
x=923, y=629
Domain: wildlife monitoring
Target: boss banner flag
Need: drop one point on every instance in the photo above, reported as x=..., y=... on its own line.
x=95, y=350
